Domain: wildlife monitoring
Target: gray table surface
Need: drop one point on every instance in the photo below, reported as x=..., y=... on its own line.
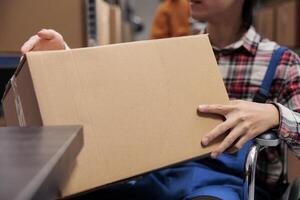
x=35, y=162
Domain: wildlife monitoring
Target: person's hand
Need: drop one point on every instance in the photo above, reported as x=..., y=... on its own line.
x=46, y=39
x=243, y=121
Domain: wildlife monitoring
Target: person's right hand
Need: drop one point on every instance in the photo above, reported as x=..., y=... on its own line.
x=45, y=39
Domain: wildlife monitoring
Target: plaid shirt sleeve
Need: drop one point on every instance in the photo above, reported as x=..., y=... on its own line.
x=243, y=66
x=288, y=102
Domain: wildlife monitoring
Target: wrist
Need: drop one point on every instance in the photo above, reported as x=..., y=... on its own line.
x=275, y=118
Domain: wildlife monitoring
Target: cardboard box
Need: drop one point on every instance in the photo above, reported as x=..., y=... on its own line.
x=109, y=23
x=127, y=33
x=21, y=19
x=287, y=23
x=116, y=24
x=265, y=22
x=293, y=167
x=103, y=22
x=137, y=102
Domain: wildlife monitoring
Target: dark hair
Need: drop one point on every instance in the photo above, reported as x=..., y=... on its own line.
x=247, y=13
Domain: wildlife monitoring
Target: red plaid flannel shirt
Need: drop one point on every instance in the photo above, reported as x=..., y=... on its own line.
x=243, y=65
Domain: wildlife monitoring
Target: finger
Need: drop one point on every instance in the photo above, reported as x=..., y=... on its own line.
x=242, y=141
x=29, y=45
x=235, y=102
x=218, y=130
x=232, y=150
x=46, y=34
x=216, y=109
x=229, y=140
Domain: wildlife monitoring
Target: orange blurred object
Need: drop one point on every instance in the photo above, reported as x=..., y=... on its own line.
x=171, y=19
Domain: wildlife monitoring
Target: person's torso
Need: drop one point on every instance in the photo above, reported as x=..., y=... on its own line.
x=243, y=73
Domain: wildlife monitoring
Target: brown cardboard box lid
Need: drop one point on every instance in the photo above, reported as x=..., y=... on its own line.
x=265, y=22
x=137, y=102
x=21, y=19
x=103, y=22
x=293, y=166
x=116, y=24
x=287, y=23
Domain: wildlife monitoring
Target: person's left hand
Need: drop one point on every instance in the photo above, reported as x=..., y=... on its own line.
x=244, y=121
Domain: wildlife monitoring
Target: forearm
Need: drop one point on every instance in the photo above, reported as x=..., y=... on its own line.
x=289, y=127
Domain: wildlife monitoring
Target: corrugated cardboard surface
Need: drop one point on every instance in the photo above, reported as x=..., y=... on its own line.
x=116, y=24
x=265, y=22
x=103, y=22
x=293, y=167
x=109, y=23
x=137, y=102
x=127, y=33
x=287, y=26
x=21, y=19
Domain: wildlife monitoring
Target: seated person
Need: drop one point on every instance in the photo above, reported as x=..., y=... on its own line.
x=243, y=57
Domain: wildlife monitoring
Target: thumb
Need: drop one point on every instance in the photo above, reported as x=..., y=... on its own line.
x=29, y=45
x=46, y=34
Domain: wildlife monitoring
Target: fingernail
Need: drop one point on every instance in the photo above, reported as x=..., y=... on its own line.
x=201, y=107
x=205, y=141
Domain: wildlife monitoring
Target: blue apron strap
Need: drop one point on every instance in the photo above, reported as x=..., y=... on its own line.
x=264, y=91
